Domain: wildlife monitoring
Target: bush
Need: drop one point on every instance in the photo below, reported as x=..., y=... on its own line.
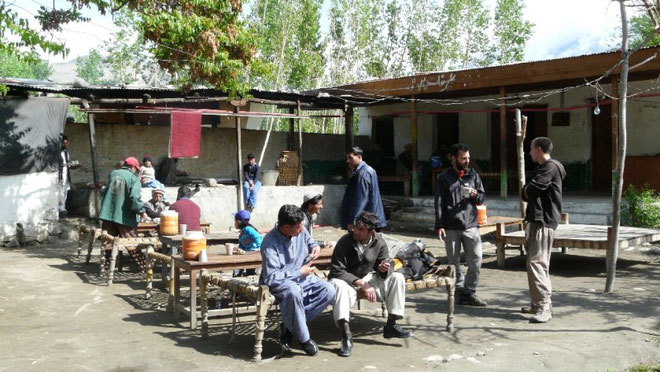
x=641, y=207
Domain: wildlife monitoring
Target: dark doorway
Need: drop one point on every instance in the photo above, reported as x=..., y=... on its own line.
x=601, y=149
x=446, y=132
x=382, y=133
x=537, y=126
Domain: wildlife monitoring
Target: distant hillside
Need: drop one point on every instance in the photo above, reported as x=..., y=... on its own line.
x=64, y=72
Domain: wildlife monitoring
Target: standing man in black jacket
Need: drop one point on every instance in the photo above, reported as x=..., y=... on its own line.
x=458, y=191
x=543, y=195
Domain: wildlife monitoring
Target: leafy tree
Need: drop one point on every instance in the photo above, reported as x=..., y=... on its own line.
x=641, y=26
x=12, y=65
x=90, y=68
x=200, y=41
x=511, y=31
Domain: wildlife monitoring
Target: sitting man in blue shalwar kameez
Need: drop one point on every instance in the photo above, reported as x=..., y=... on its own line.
x=287, y=252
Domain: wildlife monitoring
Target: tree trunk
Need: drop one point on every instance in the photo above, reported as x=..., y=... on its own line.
x=521, y=130
x=613, y=248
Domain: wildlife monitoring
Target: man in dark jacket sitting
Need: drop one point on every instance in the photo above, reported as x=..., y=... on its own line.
x=458, y=191
x=360, y=262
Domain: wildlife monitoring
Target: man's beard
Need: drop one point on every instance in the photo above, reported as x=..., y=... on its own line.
x=460, y=166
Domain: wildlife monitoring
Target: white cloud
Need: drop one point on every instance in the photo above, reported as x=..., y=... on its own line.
x=571, y=27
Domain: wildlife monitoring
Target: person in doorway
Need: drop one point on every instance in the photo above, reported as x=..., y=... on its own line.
x=312, y=206
x=543, y=195
x=122, y=207
x=361, y=262
x=64, y=176
x=362, y=193
x=457, y=193
x=404, y=164
x=251, y=183
x=249, y=238
x=189, y=212
x=287, y=252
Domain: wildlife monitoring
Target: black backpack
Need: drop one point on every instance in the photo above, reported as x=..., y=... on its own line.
x=413, y=261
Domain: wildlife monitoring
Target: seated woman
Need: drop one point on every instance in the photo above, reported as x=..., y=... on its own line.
x=249, y=239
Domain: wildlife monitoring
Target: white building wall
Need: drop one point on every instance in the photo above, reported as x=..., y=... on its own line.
x=29, y=199
x=572, y=143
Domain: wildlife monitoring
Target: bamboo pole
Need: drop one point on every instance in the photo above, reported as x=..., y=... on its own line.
x=299, y=182
x=521, y=131
x=503, y=150
x=413, y=134
x=239, y=158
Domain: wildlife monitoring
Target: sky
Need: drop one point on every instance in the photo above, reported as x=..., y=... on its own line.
x=562, y=28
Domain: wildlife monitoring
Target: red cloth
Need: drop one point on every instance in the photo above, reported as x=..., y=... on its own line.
x=189, y=213
x=185, y=134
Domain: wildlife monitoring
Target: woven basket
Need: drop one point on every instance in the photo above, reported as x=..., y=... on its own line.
x=287, y=165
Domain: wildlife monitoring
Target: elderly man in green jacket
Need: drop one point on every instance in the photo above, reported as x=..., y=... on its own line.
x=122, y=205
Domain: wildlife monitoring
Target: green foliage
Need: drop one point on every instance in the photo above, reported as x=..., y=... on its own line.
x=90, y=68
x=199, y=41
x=511, y=32
x=12, y=65
x=641, y=207
x=19, y=39
x=640, y=28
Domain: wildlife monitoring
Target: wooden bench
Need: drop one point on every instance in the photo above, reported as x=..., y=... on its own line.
x=262, y=299
x=403, y=179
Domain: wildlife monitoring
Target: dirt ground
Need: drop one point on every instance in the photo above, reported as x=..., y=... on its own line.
x=57, y=314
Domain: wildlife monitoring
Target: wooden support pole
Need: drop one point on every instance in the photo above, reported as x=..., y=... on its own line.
x=239, y=158
x=503, y=158
x=413, y=135
x=299, y=182
x=348, y=125
x=92, y=145
x=291, y=138
x=521, y=131
x=614, y=109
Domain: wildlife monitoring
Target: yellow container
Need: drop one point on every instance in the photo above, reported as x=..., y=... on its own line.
x=193, y=243
x=482, y=217
x=169, y=223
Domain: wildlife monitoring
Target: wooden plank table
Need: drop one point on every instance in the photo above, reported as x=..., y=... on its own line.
x=578, y=236
x=492, y=222
x=144, y=227
x=216, y=262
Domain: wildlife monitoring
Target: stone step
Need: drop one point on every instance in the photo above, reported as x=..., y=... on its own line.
x=569, y=206
x=426, y=216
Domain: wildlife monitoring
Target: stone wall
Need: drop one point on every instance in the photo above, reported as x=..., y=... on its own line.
x=218, y=148
x=219, y=203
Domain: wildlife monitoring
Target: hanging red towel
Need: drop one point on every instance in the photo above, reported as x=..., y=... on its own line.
x=185, y=134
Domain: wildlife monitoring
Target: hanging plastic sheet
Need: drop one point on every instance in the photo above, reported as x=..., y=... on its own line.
x=30, y=134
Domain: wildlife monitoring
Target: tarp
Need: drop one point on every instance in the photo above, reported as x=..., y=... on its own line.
x=30, y=134
x=185, y=134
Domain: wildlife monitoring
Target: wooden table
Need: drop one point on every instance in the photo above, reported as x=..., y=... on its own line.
x=493, y=221
x=216, y=262
x=144, y=227
x=578, y=236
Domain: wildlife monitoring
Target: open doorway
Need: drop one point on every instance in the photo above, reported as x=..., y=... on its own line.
x=537, y=126
x=601, y=150
x=445, y=131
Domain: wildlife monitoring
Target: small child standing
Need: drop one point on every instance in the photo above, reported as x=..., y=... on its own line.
x=148, y=176
x=249, y=239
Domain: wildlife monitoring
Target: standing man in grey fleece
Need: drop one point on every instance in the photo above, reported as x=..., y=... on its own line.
x=458, y=191
x=543, y=195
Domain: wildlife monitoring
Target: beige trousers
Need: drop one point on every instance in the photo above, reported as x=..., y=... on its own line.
x=539, y=245
x=392, y=290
